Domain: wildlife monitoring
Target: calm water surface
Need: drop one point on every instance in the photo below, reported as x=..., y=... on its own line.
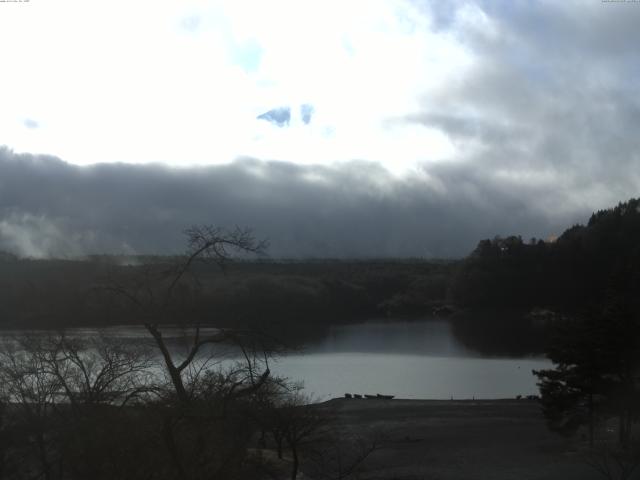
x=408, y=360
x=418, y=359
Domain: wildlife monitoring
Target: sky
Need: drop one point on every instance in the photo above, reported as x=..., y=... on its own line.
x=360, y=128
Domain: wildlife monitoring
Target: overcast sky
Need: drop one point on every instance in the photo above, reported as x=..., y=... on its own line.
x=334, y=128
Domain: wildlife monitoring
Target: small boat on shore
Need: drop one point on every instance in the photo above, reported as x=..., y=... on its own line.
x=379, y=396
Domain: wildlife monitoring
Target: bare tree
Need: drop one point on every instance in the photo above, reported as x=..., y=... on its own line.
x=206, y=430
x=96, y=370
x=311, y=433
x=155, y=303
x=33, y=393
x=61, y=391
x=293, y=421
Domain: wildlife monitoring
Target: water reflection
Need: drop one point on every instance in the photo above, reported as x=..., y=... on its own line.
x=418, y=359
x=417, y=337
x=408, y=360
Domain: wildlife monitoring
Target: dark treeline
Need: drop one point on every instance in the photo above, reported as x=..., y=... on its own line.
x=567, y=274
x=511, y=291
x=578, y=299
x=289, y=294
x=579, y=296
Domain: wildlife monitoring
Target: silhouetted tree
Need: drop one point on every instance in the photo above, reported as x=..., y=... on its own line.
x=65, y=398
x=597, y=371
x=296, y=420
x=155, y=296
x=207, y=423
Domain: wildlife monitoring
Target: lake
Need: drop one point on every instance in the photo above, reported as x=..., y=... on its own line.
x=417, y=359
x=408, y=359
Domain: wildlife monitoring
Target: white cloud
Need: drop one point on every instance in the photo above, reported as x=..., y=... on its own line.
x=182, y=83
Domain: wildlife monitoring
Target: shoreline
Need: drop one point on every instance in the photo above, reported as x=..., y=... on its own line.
x=460, y=439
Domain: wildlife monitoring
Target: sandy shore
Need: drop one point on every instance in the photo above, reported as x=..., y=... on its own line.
x=461, y=440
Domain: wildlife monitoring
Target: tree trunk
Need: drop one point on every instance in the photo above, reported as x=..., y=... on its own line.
x=174, y=373
x=624, y=429
x=591, y=420
x=294, y=470
x=42, y=453
x=170, y=443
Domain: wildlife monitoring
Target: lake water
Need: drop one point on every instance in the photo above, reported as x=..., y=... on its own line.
x=417, y=359
x=408, y=360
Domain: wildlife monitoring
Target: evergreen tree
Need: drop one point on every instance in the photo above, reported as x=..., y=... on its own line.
x=597, y=371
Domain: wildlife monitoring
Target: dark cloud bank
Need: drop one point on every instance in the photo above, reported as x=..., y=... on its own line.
x=356, y=209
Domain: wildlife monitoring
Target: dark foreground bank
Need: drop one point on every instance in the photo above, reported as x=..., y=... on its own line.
x=461, y=440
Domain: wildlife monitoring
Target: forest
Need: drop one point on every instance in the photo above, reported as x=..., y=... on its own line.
x=161, y=411
x=500, y=298
x=567, y=274
x=292, y=293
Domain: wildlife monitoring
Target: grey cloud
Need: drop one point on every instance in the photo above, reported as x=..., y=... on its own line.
x=354, y=209
x=603, y=30
x=463, y=128
x=550, y=100
x=442, y=13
